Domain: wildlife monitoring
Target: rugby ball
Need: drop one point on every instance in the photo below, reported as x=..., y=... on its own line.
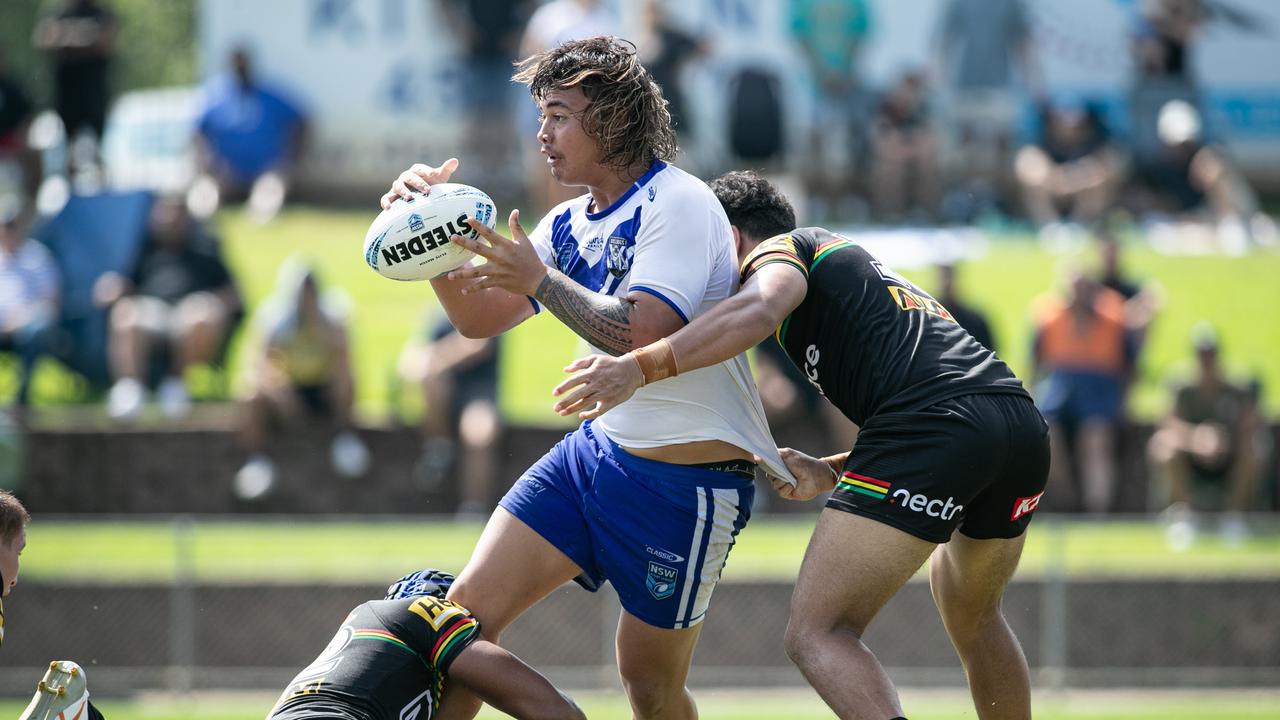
x=410, y=239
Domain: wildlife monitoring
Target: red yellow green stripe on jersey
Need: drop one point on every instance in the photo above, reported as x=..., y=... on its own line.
x=863, y=484
x=827, y=248
x=783, y=249
x=451, y=637
x=778, y=249
x=383, y=635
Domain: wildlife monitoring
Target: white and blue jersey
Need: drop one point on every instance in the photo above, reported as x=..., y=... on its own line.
x=667, y=236
x=660, y=533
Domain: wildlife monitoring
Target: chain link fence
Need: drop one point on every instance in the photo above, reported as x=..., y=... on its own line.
x=1078, y=629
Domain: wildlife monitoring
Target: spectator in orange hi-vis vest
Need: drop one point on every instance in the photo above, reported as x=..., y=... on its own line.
x=1083, y=355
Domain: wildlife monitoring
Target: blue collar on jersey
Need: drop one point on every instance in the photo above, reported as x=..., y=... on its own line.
x=656, y=168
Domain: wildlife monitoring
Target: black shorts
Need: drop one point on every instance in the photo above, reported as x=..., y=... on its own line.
x=975, y=462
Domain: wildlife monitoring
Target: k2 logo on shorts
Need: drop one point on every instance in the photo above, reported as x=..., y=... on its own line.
x=661, y=580
x=619, y=255
x=1022, y=506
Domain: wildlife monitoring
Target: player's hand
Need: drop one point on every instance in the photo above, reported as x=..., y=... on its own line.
x=512, y=265
x=419, y=178
x=813, y=476
x=602, y=382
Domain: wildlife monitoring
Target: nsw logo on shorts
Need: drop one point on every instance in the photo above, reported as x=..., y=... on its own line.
x=661, y=580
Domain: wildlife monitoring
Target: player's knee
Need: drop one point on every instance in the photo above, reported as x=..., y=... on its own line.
x=650, y=690
x=963, y=607
x=802, y=640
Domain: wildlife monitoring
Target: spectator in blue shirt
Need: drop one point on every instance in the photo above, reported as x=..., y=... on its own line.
x=250, y=135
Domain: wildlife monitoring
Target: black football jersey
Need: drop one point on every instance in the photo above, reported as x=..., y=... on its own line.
x=869, y=339
x=388, y=661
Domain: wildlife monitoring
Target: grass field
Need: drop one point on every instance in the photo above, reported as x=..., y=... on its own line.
x=1233, y=292
x=782, y=704
x=377, y=551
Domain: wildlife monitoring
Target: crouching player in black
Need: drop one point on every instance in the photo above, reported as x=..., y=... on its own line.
x=949, y=441
x=392, y=658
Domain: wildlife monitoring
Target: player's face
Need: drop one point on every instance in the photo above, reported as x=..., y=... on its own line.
x=9, y=553
x=572, y=154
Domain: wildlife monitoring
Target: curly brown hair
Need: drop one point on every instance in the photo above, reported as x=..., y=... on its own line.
x=753, y=204
x=628, y=115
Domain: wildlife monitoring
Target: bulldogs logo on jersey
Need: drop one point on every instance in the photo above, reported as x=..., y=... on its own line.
x=618, y=255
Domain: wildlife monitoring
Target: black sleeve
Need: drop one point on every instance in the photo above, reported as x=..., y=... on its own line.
x=437, y=630
x=795, y=249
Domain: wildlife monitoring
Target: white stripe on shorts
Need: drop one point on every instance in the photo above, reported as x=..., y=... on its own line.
x=695, y=550
x=726, y=514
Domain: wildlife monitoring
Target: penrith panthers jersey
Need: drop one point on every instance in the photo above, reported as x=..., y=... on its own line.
x=869, y=339
x=388, y=661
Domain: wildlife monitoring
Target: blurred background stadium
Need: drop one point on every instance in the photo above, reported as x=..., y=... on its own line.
x=193, y=546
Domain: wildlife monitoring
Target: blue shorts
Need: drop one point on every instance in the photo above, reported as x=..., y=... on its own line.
x=659, y=532
x=1072, y=397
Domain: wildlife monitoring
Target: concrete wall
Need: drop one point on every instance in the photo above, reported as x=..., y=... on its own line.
x=190, y=470
x=255, y=636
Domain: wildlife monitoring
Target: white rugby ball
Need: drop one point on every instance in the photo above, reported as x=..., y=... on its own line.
x=410, y=239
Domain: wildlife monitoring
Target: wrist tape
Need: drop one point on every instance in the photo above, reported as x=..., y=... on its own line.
x=657, y=361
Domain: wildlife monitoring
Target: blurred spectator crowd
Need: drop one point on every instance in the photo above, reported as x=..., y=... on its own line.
x=975, y=134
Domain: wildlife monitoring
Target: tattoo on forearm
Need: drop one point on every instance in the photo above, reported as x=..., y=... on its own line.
x=603, y=321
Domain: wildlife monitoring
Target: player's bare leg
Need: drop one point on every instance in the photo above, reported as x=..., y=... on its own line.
x=851, y=569
x=968, y=578
x=511, y=568
x=654, y=664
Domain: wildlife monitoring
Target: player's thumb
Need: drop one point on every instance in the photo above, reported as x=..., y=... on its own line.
x=513, y=224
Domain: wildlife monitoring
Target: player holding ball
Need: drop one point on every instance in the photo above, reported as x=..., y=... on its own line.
x=651, y=497
x=950, y=441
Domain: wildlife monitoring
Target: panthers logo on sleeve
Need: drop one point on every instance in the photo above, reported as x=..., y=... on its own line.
x=454, y=627
x=780, y=248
